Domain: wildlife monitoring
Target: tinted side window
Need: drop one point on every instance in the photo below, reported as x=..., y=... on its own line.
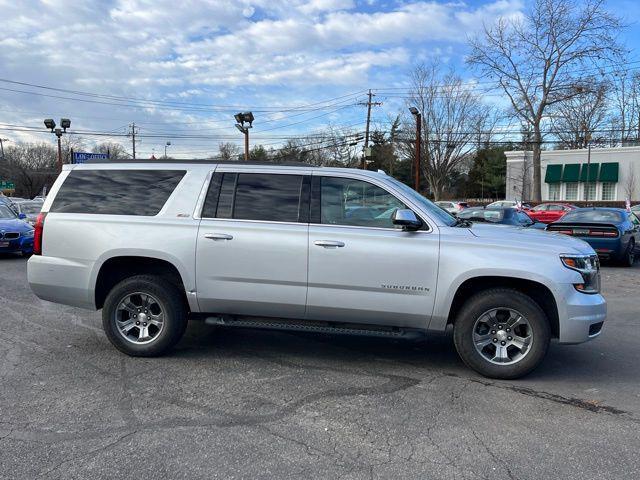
x=116, y=192
x=344, y=201
x=253, y=196
x=274, y=198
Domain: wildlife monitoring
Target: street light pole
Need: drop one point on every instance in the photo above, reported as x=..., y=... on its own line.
x=58, y=133
x=241, y=119
x=414, y=111
x=51, y=125
x=165, y=148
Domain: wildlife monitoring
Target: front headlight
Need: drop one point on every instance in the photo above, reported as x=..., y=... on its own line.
x=588, y=266
x=27, y=234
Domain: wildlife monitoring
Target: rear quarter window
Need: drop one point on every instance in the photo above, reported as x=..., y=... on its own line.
x=116, y=192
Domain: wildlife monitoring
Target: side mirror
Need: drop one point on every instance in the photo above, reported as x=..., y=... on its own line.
x=406, y=219
x=22, y=216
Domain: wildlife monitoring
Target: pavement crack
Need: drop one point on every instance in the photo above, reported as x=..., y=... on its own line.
x=590, y=406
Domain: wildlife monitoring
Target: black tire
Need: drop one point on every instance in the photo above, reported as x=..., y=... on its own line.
x=173, y=305
x=628, y=259
x=485, y=301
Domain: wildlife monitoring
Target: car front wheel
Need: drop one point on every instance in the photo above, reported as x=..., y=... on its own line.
x=144, y=315
x=501, y=333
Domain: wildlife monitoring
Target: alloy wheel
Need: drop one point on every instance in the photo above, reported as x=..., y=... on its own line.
x=502, y=336
x=139, y=318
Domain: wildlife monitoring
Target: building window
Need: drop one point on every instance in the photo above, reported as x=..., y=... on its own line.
x=554, y=191
x=608, y=191
x=590, y=191
x=571, y=192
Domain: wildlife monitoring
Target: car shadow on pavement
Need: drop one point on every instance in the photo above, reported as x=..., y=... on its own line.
x=435, y=354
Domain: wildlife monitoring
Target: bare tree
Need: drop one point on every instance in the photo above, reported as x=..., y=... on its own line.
x=31, y=166
x=536, y=58
x=578, y=121
x=71, y=143
x=626, y=106
x=228, y=151
x=630, y=183
x=115, y=150
x=452, y=118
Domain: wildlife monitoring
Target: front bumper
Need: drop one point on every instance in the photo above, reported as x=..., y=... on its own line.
x=581, y=315
x=20, y=244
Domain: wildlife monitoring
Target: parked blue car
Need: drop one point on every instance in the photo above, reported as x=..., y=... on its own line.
x=613, y=233
x=16, y=235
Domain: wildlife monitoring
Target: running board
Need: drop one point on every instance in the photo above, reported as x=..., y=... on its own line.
x=313, y=327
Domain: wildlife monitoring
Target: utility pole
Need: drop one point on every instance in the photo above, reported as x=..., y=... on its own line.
x=2, y=146
x=369, y=104
x=133, y=132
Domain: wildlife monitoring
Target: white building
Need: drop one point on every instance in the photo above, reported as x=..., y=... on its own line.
x=614, y=174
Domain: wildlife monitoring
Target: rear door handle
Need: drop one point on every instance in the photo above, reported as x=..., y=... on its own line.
x=328, y=243
x=218, y=236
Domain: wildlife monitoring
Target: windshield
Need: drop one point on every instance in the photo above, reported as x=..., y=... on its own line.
x=428, y=205
x=481, y=215
x=6, y=212
x=592, y=216
x=30, y=207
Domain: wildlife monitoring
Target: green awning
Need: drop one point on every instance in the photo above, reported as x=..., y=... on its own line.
x=571, y=172
x=609, y=172
x=594, y=168
x=554, y=174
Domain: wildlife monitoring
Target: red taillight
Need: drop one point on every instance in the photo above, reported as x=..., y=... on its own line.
x=564, y=232
x=37, y=234
x=601, y=233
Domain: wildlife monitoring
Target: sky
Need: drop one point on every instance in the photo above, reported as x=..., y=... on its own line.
x=181, y=69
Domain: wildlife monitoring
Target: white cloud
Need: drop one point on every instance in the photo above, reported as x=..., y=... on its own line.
x=245, y=51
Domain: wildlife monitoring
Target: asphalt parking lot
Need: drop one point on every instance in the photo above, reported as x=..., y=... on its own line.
x=258, y=404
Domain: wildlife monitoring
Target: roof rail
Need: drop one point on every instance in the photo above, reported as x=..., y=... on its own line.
x=203, y=162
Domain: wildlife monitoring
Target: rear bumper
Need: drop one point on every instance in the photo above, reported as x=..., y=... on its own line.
x=61, y=281
x=606, y=248
x=581, y=316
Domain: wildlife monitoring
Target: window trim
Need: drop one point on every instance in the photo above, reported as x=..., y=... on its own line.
x=303, y=204
x=315, y=217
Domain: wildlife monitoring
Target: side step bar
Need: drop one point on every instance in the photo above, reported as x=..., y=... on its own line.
x=313, y=327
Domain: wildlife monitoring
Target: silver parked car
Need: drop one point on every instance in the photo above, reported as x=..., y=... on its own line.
x=304, y=248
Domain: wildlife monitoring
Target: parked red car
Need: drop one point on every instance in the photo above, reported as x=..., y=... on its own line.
x=550, y=212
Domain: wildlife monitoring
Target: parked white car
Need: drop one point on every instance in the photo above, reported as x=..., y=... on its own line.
x=452, y=207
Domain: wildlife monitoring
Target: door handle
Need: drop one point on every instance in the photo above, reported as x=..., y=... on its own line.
x=328, y=243
x=218, y=236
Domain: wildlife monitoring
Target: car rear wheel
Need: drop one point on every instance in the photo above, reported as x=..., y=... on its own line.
x=501, y=333
x=629, y=256
x=144, y=315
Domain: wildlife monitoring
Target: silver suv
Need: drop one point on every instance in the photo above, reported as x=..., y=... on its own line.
x=304, y=248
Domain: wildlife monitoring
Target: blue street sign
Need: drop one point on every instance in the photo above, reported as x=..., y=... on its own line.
x=81, y=157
